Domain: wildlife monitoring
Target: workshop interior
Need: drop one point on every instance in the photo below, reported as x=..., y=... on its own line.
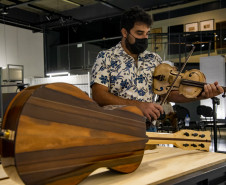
x=52, y=130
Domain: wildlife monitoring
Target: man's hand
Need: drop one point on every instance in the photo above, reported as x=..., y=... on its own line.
x=211, y=90
x=152, y=111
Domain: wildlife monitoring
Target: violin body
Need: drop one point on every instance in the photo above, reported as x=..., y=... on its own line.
x=61, y=136
x=186, y=83
x=189, y=90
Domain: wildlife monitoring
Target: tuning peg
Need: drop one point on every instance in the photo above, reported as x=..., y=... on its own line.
x=202, y=135
x=202, y=145
x=185, y=145
x=195, y=134
x=194, y=145
x=186, y=134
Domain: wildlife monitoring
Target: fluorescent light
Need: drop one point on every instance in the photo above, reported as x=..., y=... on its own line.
x=72, y=2
x=4, y=13
x=58, y=74
x=106, y=4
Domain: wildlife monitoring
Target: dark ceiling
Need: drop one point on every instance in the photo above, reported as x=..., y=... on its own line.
x=39, y=15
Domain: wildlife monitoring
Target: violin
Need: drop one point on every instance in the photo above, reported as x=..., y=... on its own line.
x=190, y=83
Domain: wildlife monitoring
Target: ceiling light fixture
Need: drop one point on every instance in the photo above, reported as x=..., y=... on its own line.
x=58, y=74
x=4, y=13
x=106, y=4
x=110, y=5
x=72, y=2
x=48, y=17
x=62, y=20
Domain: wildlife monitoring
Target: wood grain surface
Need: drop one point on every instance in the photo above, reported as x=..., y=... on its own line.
x=158, y=166
x=62, y=136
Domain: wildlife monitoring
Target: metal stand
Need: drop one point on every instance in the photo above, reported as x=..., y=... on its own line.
x=215, y=101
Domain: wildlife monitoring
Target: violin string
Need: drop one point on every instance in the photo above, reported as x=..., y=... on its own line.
x=182, y=68
x=192, y=83
x=197, y=84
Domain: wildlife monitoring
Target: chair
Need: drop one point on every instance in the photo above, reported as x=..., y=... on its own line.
x=181, y=113
x=168, y=124
x=207, y=113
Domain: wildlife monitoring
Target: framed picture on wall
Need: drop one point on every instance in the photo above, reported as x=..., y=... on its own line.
x=206, y=25
x=191, y=27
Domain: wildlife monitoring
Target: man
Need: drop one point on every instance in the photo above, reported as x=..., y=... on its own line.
x=122, y=75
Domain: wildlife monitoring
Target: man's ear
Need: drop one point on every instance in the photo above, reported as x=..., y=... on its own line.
x=124, y=32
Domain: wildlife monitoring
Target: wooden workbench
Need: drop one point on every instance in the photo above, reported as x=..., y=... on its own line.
x=160, y=165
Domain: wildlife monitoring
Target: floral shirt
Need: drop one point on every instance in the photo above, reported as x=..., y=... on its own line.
x=117, y=70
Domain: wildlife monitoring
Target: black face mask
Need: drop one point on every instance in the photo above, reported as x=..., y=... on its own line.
x=138, y=47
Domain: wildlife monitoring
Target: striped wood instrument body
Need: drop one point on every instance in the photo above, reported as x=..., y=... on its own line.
x=60, y=136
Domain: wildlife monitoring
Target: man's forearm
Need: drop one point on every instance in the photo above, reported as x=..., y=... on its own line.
x=179, y=98
x=101, y=95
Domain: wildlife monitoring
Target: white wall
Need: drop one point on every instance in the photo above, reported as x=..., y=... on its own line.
x=22, y=47
x=214, y=69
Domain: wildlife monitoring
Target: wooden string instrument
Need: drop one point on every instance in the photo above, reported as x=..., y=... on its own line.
x=190, y=83
x=55, y=134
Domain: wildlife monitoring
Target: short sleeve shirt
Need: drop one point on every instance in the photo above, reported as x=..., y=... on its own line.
x=117, y=70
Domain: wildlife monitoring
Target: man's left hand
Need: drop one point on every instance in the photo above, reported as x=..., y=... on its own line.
x=211, y=90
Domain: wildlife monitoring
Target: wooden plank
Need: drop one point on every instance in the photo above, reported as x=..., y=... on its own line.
x=159, y=165
x=172, y=163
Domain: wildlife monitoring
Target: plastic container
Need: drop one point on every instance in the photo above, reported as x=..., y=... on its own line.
x=187, y=121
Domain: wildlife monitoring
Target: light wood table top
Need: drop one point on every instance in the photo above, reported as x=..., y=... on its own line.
x=158, y=166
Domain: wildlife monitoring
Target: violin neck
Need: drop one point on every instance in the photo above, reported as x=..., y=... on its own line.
x=192, y=83
x=195, y=83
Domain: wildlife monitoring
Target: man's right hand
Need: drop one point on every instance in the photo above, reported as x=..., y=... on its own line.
x=151, y=111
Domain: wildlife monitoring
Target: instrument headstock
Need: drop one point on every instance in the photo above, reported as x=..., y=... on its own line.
x=193, y=140
x=184, y=139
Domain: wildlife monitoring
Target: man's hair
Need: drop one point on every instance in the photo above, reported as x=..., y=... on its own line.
x=135, y=14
